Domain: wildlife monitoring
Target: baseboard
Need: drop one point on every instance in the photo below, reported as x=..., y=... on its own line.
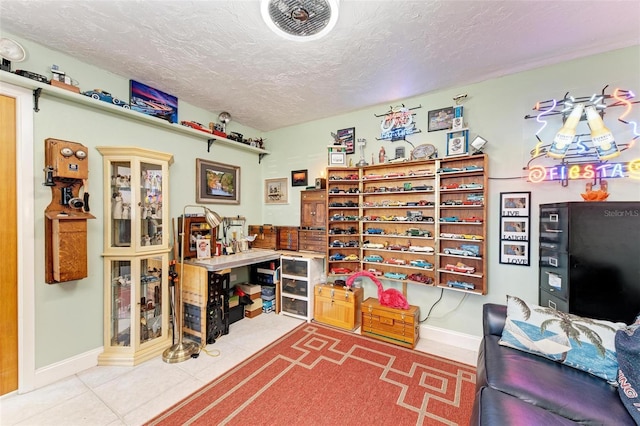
x=66, y=368
x=451, y=338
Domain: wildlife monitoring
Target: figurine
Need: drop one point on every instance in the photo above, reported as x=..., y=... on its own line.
x=117, y=205
x=381, y=155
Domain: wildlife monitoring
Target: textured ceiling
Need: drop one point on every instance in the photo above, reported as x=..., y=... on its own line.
x=220, y=56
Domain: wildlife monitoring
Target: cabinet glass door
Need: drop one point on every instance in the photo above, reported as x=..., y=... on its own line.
x=121, y=204
x=151, y=180
x=150, y=298
x=120, y=316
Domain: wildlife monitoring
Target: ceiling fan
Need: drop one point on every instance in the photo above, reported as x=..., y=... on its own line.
x=300, y=20
x=10, y=50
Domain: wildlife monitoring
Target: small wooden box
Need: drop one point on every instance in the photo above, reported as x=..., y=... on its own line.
x=398, y=326
x=267, y=236
x=338, y=306
x=65, y=86
x=288, y=238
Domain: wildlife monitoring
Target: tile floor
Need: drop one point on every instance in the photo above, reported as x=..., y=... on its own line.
x=133, y=395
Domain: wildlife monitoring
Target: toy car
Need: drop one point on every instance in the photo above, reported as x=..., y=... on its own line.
x=471, y=168
x=472, y=248
x=374, y=231
x=368, y=245
x=419, y=263
x=458, y=252
x=336, y=204
x=337, y=231
x=195, y=125
x=450, y=219
x=392, y=175
x=352, y=243
x=373, y=258
x=394, y=261
x=336, y=217
x=472, y=237
x=460, y=284
x=351, y=177
x=460, y=267
x=471, y=186
x=396, y=247
x=415, y=232
x=337, y=243
x=336, y=256
x=448, y=235
x=335, y=177
x=422, y=249
x=375, y=272
x=473, y=219
x=353, y=191
x=101, y=95
x=448, y=170
x=451, y=203
x=340, y=271
x=350, y=204
x=428, y=219
x=421, y=172
x=372, y=176
x=336, y=190
x=422, y=188
x=426, y=203
x=351, y=257
x=395, y=275
x=421, y=278
x=453, y=185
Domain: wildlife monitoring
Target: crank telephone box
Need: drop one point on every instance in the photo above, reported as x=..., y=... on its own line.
x=66, y=172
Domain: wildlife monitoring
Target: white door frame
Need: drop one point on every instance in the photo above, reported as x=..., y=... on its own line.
x=26, y=234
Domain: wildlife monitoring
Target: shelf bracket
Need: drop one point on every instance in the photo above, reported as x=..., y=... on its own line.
x=36, y=98
x=260, y=156
x=209, y=143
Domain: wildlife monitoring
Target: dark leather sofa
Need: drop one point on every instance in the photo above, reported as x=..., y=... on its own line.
x=517, y=388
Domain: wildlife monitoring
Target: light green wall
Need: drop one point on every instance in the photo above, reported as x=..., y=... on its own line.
x=69, y=315
x=494, y=109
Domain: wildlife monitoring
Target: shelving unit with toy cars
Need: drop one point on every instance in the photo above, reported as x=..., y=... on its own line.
x=398, y=220
x=343, y=220
x=420, y=222
x=461, y=259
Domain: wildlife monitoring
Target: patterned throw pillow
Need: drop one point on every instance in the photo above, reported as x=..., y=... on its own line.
x=583, y=343
x=628, y=347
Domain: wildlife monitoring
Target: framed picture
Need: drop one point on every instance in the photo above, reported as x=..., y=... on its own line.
x=150, y=101
x=337, y=159
x=515, y=228
x=299, y=178
x=275, y=191
x=440, y=119
x=457, y=143
x=347, y=137
x=217, y=183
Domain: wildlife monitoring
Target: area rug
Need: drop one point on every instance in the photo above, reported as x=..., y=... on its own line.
x=317, y=375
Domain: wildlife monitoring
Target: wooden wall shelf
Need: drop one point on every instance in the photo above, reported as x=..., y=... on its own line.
x=56, y=92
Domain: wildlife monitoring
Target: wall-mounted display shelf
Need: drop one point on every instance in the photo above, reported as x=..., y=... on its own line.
x=410, y=221
x=56, y=92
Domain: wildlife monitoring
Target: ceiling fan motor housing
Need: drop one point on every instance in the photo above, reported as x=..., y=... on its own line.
x=300, y=20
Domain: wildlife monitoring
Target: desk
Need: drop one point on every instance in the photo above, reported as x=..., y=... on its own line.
x=205, y=288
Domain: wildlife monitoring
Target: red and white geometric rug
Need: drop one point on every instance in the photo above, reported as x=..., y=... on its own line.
x=318, y=375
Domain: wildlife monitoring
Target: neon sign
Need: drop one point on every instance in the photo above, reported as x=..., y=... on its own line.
x=565, y=171
x=397, y=123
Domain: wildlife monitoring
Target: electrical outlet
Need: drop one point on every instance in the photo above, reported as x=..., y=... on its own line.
x=233, y=277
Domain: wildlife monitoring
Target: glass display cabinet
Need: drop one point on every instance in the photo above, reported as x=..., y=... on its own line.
x=136, y=255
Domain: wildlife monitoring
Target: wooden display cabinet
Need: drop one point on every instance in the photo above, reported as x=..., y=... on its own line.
x=343, y=205
x=462, y=207
x=313, y=218
x=338, y=306
x=399, y=219
x=136, y=255
x=196, y=228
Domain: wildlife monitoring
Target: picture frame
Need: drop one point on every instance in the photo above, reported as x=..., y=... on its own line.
x=217, y=183
x=275, y=191
x=440, y=119
x=299, y=177
x=347, y=138
x=150, y=101
x=337, y=159
x=515, y=228
x=457, y=143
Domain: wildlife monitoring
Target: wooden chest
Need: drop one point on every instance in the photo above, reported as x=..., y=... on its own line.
x=267, y=236
x=312, y=240
x=288, y=238
x=398, y=326
x=337, y=306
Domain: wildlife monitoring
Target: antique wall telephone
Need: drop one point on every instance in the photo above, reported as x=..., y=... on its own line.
x=66, y=171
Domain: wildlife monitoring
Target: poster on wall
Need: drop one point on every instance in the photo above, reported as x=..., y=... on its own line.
x=515, y=225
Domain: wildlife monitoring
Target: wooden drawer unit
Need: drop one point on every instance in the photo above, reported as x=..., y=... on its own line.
x=337, y=306
x=267, y=236
x=288, y=238
x=398, y=326
x=312, y=240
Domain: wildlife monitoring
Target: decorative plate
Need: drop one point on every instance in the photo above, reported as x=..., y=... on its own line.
x=423, y=151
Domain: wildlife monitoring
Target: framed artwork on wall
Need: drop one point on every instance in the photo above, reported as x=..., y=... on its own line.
x=515, y=228
x=150, y=101
x=299, y=178
x=275, y=191
x=217, y=183
x=347, y=138
x=440, y=119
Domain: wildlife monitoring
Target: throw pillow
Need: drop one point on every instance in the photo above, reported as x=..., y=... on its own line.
x=583, y=343
x=628, y=348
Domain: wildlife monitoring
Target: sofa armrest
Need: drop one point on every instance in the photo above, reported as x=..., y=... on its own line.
x=493, y=318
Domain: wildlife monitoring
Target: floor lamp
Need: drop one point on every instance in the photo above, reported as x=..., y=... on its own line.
x=182, y=351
